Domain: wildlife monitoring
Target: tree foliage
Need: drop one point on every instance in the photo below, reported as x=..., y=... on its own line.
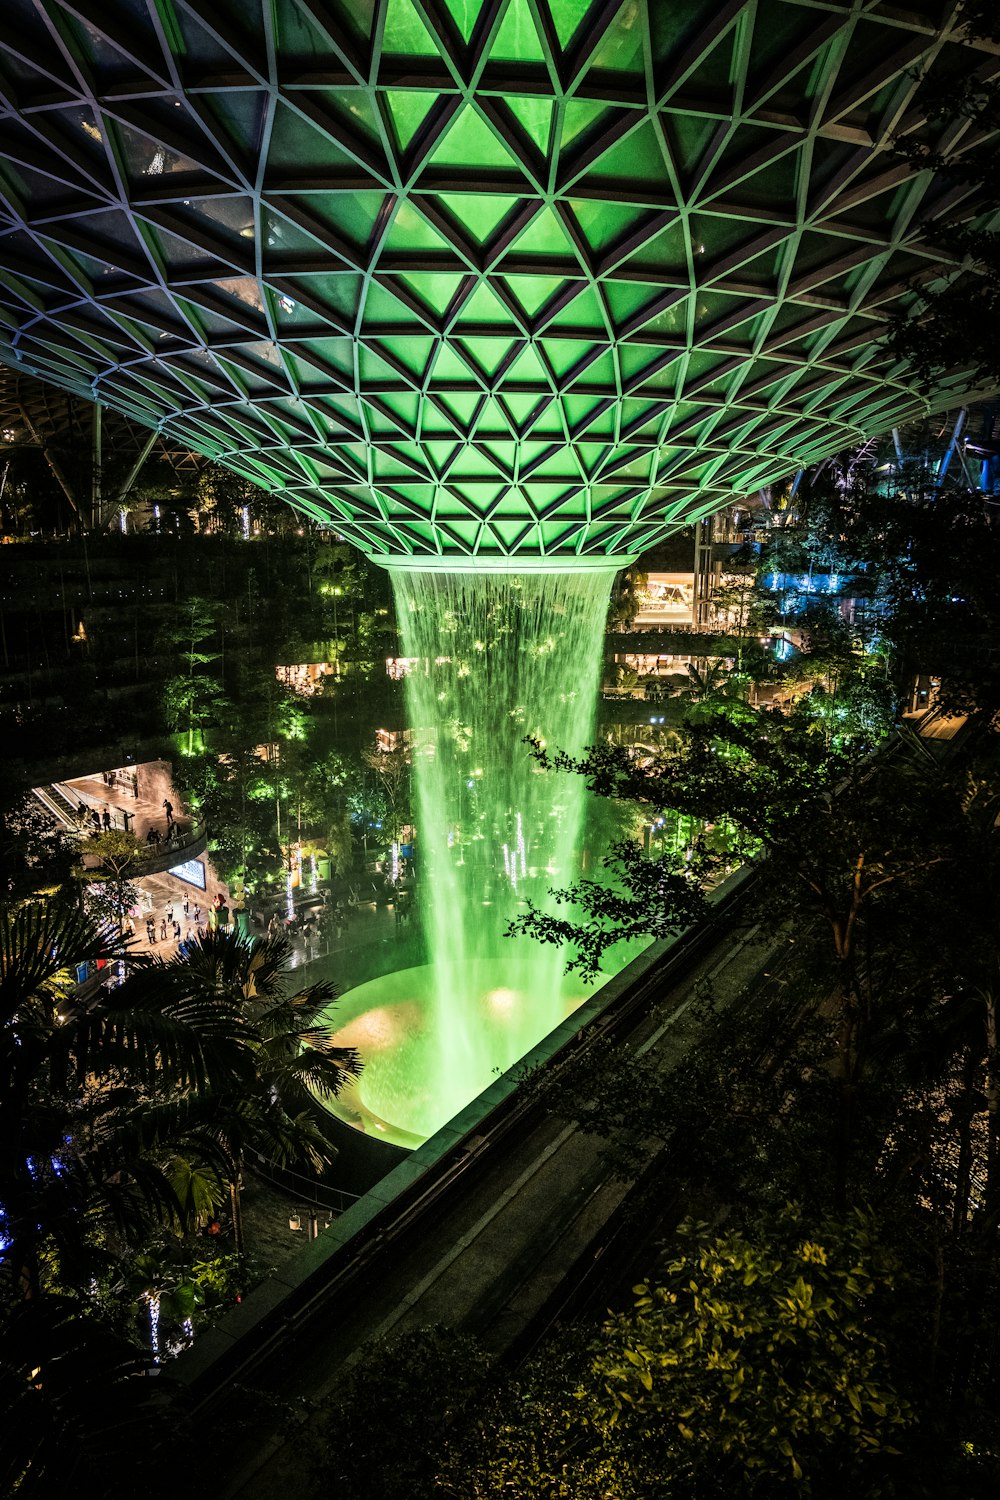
x=759, y=1360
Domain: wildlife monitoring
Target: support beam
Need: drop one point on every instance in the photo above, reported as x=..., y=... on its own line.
x=54, y=465
x=95, y=467
x=130, y=478
x=949, y=452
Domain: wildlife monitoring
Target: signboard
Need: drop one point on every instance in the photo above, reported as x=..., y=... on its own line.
x=192, y=871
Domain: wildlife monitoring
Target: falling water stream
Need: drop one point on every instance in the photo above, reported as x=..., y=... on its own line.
x=494, y=659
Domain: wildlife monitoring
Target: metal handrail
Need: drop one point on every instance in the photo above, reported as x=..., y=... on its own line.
x=307, y=1190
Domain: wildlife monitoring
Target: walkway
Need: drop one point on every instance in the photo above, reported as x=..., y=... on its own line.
x=138, y=807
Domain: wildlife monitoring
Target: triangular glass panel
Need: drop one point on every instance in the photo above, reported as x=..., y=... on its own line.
x=578, y=116
x=511, y=533
x=547, y=419
x=337, y=354
x=563, y=354
x=482, y=463
x=436, y=288
x=479, y=213
x=544, y=235
x=373, y=369
x=621, y=47
x=566, y=17
x=465, y=14
x=634, y=358
x=535, y=117
x=352, y=110
x=297, y=143
x=241, y=114
x=350, y=215
x=403, y=407
x=180, y=254
x=603, y=222
x=625, y=298
x=716, y=70
x=638, y=155
x=584, y=310
x=517, y=40
x=146, y=157
x=469, y=141
x=532, y=292
x=667, y=250
x=448, y=366
x=581, y=408
x=526, y=367
x=435, y=416
x=504, y=453
x=531, y=451
x=441, y=453
x=488, y=353
x=465, y=532
x=405, y=32
x=381, y=306
x=484, y=306
x=520, y=405
x=468, y=465
x=412, y=352
x=411, y=231
x=688, y=136
x=409, y=109
x=492, y=418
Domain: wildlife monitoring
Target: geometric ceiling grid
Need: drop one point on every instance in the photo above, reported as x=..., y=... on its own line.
x=37, y=414
x=529, y=277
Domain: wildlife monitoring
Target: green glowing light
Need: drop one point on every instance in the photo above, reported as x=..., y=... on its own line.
x=503, y=282
x=500, y=657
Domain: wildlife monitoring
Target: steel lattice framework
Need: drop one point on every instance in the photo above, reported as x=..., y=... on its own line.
x=38, y=414
x=507, y=279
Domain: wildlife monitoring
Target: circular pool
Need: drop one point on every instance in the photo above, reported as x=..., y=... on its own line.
x=422, y=1062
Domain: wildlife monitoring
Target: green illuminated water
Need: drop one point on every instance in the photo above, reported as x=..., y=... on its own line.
x=495, y=657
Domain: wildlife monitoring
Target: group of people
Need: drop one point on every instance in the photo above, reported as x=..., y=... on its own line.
x=102, y=821
x=170, y=926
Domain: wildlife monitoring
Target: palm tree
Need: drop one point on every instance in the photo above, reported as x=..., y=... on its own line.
x=93, y=1094
x=296, y=1060
x=714, y=690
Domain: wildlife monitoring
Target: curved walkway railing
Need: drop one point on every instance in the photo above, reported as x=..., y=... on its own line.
x=151, y=858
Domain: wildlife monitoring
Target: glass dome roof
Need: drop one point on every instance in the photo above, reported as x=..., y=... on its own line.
x=520, y=278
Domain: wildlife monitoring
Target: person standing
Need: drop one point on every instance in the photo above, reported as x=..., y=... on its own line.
x=187, y=905
x=151, y=929
x=126, y=819
x=135, y=786
x=163, y=929
x=106, y=819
